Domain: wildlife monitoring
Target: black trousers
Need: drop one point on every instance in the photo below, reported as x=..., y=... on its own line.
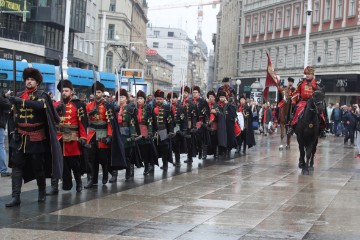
x=163, y=151
x=71, y=163
x=98, y=156
x=32, y=162
x=176, y=144
x=241, y=140
x=145, y=152
x=349, y=134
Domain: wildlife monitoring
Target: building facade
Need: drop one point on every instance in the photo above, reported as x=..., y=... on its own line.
x=85, y=48
x=38, y=36
x=227, y=41
x=173, y=44
x=197, y=64
x=279, y=28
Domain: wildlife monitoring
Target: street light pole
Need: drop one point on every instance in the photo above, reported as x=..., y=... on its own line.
x=308, y=29
x=64, y=63
x=102, y=43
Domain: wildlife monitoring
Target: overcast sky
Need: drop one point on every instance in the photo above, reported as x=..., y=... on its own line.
x=184, y=18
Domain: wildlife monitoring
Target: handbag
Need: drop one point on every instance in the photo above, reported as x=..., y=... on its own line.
x=255, y=125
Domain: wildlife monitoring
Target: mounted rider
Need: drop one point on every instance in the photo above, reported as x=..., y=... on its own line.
x=304, y=92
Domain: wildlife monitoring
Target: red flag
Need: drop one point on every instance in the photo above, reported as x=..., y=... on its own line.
x=271, y=78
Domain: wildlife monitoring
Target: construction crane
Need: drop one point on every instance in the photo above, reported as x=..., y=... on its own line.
x=200, y=4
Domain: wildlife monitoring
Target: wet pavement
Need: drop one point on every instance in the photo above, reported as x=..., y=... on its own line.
x=260, y=195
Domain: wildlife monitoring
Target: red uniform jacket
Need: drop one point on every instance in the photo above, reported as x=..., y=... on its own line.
x=96, y=119
x=71, y=129
x=304, y=91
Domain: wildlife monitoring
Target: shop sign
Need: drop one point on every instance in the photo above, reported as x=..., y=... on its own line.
x=10, y=5
x=342, y=83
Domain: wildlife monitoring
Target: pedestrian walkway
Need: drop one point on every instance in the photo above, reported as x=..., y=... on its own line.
x=261, y=195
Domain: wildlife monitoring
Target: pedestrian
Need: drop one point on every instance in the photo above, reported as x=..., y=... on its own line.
x=5, y=107
x=329, y=123
x=349, y=121
x=34, y=143
x=357, y=129
x=336, y=117
x=267, y=119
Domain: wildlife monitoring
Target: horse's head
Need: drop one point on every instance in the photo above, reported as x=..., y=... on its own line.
x=285, y=94
x=318, y=101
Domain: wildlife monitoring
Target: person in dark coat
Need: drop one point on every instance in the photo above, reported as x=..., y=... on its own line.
x=230, y=92
x=33, y=137
x=247, y=137
x=5, y=107
x=349, y=120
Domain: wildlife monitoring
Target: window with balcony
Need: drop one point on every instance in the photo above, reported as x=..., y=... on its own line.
x=76, y=39
x=271, y=22
x=339, y=9
x=155, y=44
x=255, y=25
x=337, y=51
x=295, y=53
x=314, y=53
x=81, y=43
x=109, y=61
x=111, y=31
x=297, y=16
x=170, y=34
x=350, y=50
x=352, y=8
x=262, y=24
x=326, y=51
x=287, y=18
x=327, y=10
x=112, y=6
x=91, y=49
x=247, y=27
x=278, y=20
x=316, y=15
x=88, y=19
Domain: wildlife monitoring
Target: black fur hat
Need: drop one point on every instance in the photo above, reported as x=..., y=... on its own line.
x=141, y=94
x=290, y=79
x=65, y=84
x=186, y=89
x=196, y=88
x=210, y=93
x=32, y=73
x=222, y=94
x=226, y=79
x=174, y=95
x=98, y=86
x=159, y=93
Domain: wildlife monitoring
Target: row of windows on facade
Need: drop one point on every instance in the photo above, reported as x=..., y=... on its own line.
x=317, y=57
x=90, y=21
x=83, y=46
x=169, y=34
x=168, y=45
x=339, y=11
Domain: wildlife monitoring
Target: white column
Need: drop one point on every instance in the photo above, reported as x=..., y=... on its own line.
x=292, y=20
x=282, y=22
x=308, y=29
x=333, y=14
x=321, y=9
x=301, y=18
x=344, y=13
x=266, y=27
x=102, y=43
x=64, y=63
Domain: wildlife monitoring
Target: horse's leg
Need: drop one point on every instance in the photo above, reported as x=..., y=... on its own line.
x=288, y=137
x=311, y=168
x=302, y=153
x=281, y=147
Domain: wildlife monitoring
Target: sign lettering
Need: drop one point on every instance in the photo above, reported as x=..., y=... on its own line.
x=341, y=83
x=256, y=97
x=8, y=5
x=150, y=51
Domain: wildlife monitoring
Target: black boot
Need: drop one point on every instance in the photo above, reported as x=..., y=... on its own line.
x=146, y=169
x=16, y=181
x=177, y=160
x=129, y=174
x=216, y=153
x=78, y=181
x=204, y=152
x=200, y=154
x=90, y=182
x=113, y=178
x=42, y=189
x=151, y=168
x=54, y=187
x=165, y=165
x=189, y=159
x=132, y=170
x=105, y=177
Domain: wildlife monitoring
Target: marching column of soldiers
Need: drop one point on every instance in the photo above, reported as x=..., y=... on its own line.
x=56, y=140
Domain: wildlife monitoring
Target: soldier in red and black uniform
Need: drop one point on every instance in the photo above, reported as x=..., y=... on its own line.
x=164, y=128
x=213, y=124
x=190, y=117
x=144, y=119
x=72, y=134
x=230, y=92
x=36, y=150
x=179, y=141
x=304, y=92
x=104, y=137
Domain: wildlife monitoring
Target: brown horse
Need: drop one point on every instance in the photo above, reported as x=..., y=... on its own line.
x=283, y=119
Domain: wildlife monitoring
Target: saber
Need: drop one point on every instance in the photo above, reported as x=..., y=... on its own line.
x=61, y=86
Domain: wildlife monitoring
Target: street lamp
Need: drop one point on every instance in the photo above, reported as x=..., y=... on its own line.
x=238, y=83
